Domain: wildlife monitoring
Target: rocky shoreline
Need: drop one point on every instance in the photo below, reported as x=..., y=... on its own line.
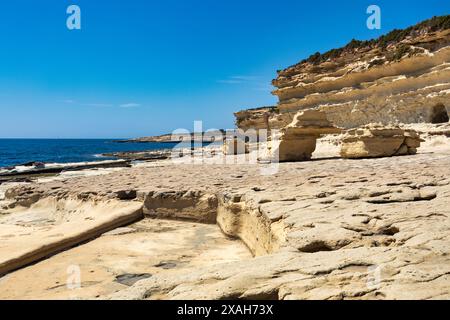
x=33, y=170
x=334, y=205
x=401, y=77
x=313, y=225
x=172, y=138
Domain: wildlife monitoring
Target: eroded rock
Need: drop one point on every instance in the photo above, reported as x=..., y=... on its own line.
x=374, y=141
x=234, y=146
x=297, y=141
x=324, y=229
x=405, y=80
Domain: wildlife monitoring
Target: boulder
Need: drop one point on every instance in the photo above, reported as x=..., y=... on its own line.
x=297, y=141
x=376, y=140
x=234, y=146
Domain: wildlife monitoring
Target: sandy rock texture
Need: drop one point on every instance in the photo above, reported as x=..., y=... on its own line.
x=29, y=234
x=254, y=118
x=234, y=146
x=415, y=89
x=330, y=228
x=398, y=78
x=378, y=141
x=119, y=258
x=297, y=141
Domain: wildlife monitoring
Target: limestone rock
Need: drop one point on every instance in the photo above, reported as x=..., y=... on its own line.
x=404, y=80
x=254, y=118
x=297, y=141
x=330, y=229
x=377, y=141
x=292, y=148
x=234, y=146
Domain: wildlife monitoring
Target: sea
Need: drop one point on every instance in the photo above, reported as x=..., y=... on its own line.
x=19, y=151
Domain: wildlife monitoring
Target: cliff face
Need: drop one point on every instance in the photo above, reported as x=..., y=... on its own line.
x=255, y=118
x=403, y=77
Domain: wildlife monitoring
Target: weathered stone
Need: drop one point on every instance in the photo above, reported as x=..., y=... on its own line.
x=293, y=148
x=364, y=84
x=325, y=229
x=255, y=118
x=234, y=146
x=297, y=141
x=377, y=141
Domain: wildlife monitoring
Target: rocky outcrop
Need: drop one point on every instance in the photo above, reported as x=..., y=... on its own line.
x=141, y=155
x=67, y=223
x=26, y=172
x=402, y=77
x=324, y=229
x=297, y=141
x=175, y=137
x=377, y=141
x=234, y=146
x=255, y=118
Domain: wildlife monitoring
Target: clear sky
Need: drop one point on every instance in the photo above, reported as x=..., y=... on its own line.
x=144, y=67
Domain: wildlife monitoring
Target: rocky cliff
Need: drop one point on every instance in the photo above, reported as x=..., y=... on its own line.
x=255, y=118
x=401, y=77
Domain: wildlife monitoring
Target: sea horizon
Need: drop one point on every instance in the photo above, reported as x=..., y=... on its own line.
x=17, y=151
x=113, y=139
x=226, y=156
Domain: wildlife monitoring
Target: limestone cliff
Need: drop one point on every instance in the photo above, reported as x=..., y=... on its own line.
x=401, y=77
x=254, y=118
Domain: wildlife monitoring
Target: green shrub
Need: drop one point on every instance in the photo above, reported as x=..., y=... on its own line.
x=397, y=35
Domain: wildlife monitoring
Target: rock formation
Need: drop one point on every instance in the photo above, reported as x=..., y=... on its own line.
x=400, y=77
x=326, y=229
x=377, y=141
x=175, y=137
x=297, y=141
x=330, y=229
x=255, y=118
x=234, y=146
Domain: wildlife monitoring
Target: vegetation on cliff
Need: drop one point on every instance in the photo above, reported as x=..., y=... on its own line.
x=434, y=24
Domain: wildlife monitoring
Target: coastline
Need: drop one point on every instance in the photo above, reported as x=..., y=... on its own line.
x=283, y=221
x=329, y=180
x=16, y=152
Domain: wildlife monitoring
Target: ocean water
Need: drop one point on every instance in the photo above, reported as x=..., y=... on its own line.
x=18, y=151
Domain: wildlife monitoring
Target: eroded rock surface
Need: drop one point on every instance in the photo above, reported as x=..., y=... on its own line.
x=401, y=77
x=324, y=229
x=120, y=258
x=46, y=227
x=234, y=146
x=297, y=141
x=378, y=141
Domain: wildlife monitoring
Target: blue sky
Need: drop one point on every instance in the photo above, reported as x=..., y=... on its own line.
x=148, y=67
